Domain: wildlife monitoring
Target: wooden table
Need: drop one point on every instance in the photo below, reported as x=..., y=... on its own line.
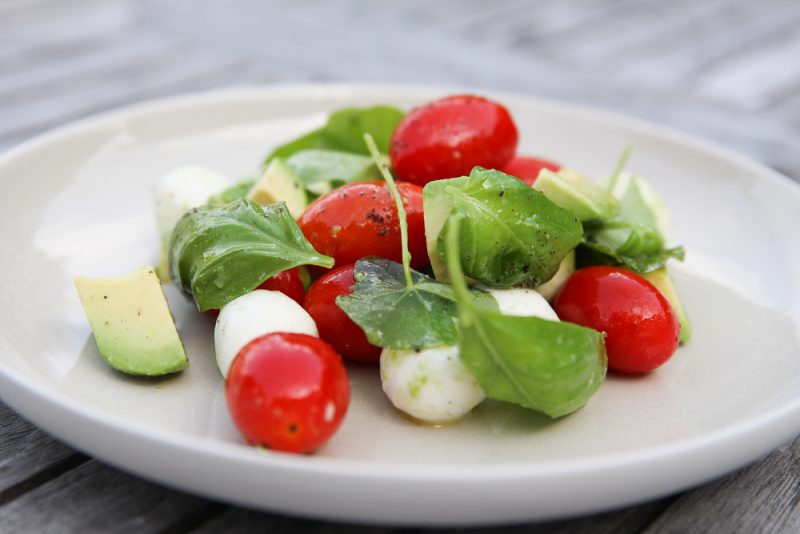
x=725, y=70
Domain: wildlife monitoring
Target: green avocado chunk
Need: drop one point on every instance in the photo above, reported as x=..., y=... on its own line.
x=663, y=282
x=571, y=190
x=280, y=184
x=132, y=325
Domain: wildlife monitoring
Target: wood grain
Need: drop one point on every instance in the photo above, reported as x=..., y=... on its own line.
x=24, y=451
x=240, y=521
x=96, y=498
x=763, y=498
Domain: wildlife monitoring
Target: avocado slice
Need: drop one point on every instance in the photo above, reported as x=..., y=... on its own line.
x=435, y=215
x=162, y=269
x=280, y=184
x=550, y=289
x=663, y=282
x=132, y=325
x=570, y=190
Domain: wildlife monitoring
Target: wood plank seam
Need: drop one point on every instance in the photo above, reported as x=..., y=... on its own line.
x=42, y=477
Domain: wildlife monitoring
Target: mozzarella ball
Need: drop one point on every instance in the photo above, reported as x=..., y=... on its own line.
x=431, y=385
x=523, y=302
x=253, y=315
x=181, y=190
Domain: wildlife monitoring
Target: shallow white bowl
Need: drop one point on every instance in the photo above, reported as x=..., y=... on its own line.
x=77, y=201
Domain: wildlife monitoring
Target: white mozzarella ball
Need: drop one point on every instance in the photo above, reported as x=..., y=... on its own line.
x=523, y=302
x=431, y=385
x=253, y=315
x=181, y=190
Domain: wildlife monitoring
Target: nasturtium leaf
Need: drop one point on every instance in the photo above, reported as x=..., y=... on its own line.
x=398, y=316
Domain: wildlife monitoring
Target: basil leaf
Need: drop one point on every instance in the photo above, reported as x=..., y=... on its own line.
x=598, y=254
x=512, y=234
x=396, y=316
x=345, y=131
x=635, y=208
x=233, y=193
x=548, y=366
x=304, y=142
x=346, y=128
x=634, y=238
x=218, y=253
x=323, y=169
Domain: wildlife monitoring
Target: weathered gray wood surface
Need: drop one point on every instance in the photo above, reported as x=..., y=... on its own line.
x=726, y=70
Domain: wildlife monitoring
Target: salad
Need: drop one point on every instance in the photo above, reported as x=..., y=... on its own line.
x=421, y=244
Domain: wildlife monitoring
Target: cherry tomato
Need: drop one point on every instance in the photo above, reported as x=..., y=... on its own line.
x=287, y=392
x=333, y=324
x=641, y=328
x=360, y=219
x=527, y=168
x=446, y=138
x=287, y=282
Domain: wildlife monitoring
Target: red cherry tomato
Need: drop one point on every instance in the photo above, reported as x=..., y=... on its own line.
x=287, y=392
x=641, y=328
x=287, y=282
x=333, y=324
x=527, y=168
x=360, y=219
x=446, y=138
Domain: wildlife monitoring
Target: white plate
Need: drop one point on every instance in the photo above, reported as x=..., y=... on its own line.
x=77, y=201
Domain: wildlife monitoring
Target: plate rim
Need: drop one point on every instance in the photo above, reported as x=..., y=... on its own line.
x=780, y=424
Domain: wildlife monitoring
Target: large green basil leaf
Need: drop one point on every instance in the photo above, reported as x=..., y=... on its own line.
x=304, y=142
x=590, y=253
x=218, y=253
x=235, y=192
x=345, y=131
x=398, y=316
x=322, y=170
x=548, y=366
x=346, y=128
x=632, y=239
x=511, y=234
x=634, y=206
